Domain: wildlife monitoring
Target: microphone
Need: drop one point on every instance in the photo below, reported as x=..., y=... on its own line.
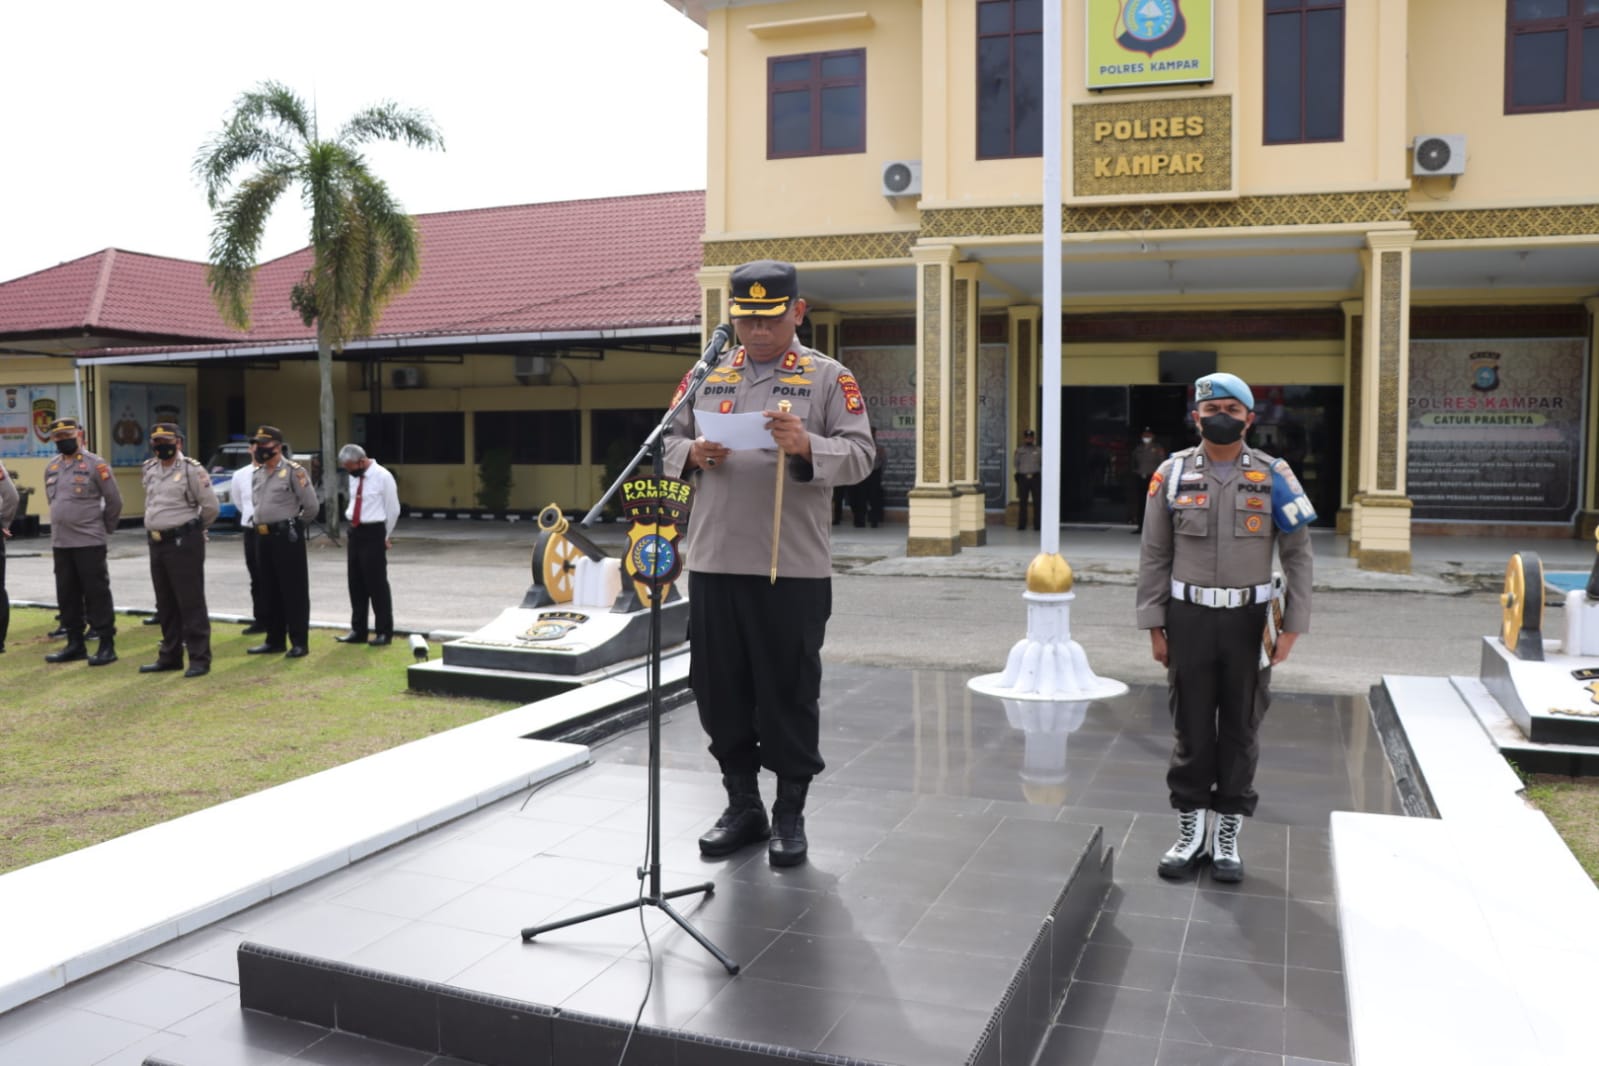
x=721, y=337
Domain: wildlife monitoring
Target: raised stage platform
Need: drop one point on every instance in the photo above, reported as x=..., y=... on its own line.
x=913, y=936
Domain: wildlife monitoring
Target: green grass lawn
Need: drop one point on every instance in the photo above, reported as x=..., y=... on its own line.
x=87, y=754
x=1572, y=804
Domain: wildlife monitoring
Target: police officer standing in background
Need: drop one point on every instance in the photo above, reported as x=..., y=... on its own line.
x=85, y=504
x=1026, y=465
x=239, y=493
x=755, y=642
x=1146, y=459
x=373, y=511
x=10, y=499
x=179, y=506
x=1211, y=517
x=284, y=503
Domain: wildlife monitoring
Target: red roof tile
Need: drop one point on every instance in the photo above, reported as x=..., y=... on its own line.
x=617, y=263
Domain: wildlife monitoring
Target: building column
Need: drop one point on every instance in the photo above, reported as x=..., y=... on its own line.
x=1022, y=323
x=1588, y=517
x=714, y=282
x=934, y=505
x=824, y=331
x=1380, y=517
x=1354, y=323
x=963, y=408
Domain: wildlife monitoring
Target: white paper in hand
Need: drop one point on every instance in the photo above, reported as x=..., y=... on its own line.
x=736, y=432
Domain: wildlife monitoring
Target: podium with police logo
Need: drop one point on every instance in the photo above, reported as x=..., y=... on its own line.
x=585, y=617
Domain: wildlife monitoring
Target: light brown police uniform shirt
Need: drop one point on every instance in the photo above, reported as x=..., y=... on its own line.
x=10, y=499
x=730, y=522
x=177, y=493
x=85, y=502
x=1218, y=532
x=282, y=492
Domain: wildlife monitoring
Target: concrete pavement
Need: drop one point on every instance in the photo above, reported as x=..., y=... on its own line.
x=960, y=612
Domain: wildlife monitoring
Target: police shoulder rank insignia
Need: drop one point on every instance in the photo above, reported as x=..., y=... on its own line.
x=1155, y=482
x=790, y=360
x=738, y=358
x=853, y=403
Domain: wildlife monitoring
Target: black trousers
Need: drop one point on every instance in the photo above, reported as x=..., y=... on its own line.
x=285, y=587
x=755, y=664
x=252, y=556
x=83, y=591
x=367, y=567
x=1218, y=695
x=5, y=597
x=177, y=570
x=1028, y=485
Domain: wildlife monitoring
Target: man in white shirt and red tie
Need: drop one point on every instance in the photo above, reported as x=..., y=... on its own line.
x=372, y=513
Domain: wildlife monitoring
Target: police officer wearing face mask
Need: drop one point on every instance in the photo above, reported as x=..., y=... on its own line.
x=10, y=500
x=179, y=506
x=285, y=503
x=85, y=504
x=1212, y=516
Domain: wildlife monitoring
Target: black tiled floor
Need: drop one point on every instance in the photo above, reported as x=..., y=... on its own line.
x=924, y=849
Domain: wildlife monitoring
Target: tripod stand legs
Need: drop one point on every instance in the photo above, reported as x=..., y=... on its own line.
x=658, y=901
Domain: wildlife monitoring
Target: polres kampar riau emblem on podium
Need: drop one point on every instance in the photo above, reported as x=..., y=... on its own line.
x=657, y=507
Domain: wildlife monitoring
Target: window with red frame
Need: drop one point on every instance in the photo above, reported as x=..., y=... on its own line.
x=1010, y=78
x=1551, y=55
x=816, y=104
x=1304, y=71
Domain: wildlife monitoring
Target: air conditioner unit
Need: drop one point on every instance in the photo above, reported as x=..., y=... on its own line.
x=902, y=177
x=1439, y=153
x=405, y=377
x=533, y=369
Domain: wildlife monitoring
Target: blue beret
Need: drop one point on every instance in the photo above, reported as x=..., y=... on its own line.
x=1220, y=386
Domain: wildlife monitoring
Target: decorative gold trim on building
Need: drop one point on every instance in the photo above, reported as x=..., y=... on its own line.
x=930, y=378
x=827, y=248
x=1557, y=220
x=1318, y=209
x=959, y=381
x=1391, y=282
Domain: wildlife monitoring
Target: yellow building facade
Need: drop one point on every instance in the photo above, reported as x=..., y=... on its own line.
x=1380, y=213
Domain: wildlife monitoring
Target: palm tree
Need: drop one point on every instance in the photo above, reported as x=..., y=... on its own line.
x=364, y=246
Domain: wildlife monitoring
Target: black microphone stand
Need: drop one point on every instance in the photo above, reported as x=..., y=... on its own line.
x=651, y=894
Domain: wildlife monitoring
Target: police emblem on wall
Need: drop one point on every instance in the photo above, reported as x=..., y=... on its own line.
x=1485, y=371
x=1151, y=26
x=656, y=507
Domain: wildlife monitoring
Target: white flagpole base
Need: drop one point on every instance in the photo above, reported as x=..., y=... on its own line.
x=1047, y=664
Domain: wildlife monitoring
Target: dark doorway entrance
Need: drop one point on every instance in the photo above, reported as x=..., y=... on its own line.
x=1101, y=424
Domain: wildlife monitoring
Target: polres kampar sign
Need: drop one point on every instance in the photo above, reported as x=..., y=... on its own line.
x=1495, y=430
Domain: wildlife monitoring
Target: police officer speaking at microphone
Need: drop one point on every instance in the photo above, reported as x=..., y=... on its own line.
x=1211, y=518
x=179, y=506
x=760, y=556
x=284, y=502
x=85, y=504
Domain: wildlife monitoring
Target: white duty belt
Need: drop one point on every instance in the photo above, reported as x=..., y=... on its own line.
x=1205, y=596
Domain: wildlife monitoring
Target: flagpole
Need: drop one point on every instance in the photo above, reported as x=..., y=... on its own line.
x=1047, y=664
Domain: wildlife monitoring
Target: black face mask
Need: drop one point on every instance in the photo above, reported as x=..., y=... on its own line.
x=263, y=455
x=66, y=447
x=1221, y=428
x=166, y=451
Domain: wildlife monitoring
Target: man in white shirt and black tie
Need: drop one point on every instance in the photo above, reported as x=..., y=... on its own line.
x=373, y=510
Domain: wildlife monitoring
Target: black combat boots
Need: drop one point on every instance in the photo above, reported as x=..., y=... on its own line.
x=105, y=653
x=788, y=844
x=744, y=821
x=71, y=653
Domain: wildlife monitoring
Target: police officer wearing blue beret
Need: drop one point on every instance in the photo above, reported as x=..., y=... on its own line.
x=1213, y=515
